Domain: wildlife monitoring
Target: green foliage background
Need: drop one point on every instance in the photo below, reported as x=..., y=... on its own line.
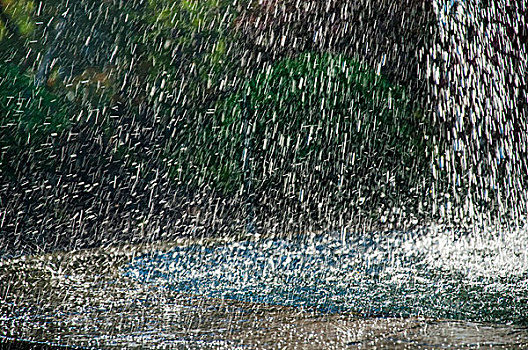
x=30, y=117
x=305, y=111
x=185, y=53
x=169, y=93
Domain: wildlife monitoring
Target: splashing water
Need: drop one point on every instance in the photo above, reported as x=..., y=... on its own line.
x=478, y=66
x=337, y=290
x=434, y=273
x=396, y=130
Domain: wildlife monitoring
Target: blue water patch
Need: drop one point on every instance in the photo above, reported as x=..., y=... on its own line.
x=329, y=274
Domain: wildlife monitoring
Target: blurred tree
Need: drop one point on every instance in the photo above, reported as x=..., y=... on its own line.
x=15, y=18
x=16, y=28
x=392, y=37
x=30, y=117
x=323, y=128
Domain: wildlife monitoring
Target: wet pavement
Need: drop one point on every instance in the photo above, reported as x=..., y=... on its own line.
x=84, y=299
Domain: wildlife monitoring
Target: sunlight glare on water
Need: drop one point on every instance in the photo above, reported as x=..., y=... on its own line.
x=434, y=273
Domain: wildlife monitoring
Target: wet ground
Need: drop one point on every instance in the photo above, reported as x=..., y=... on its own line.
x=179, y=295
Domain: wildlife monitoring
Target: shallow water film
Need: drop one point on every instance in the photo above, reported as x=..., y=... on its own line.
x=263, y=174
